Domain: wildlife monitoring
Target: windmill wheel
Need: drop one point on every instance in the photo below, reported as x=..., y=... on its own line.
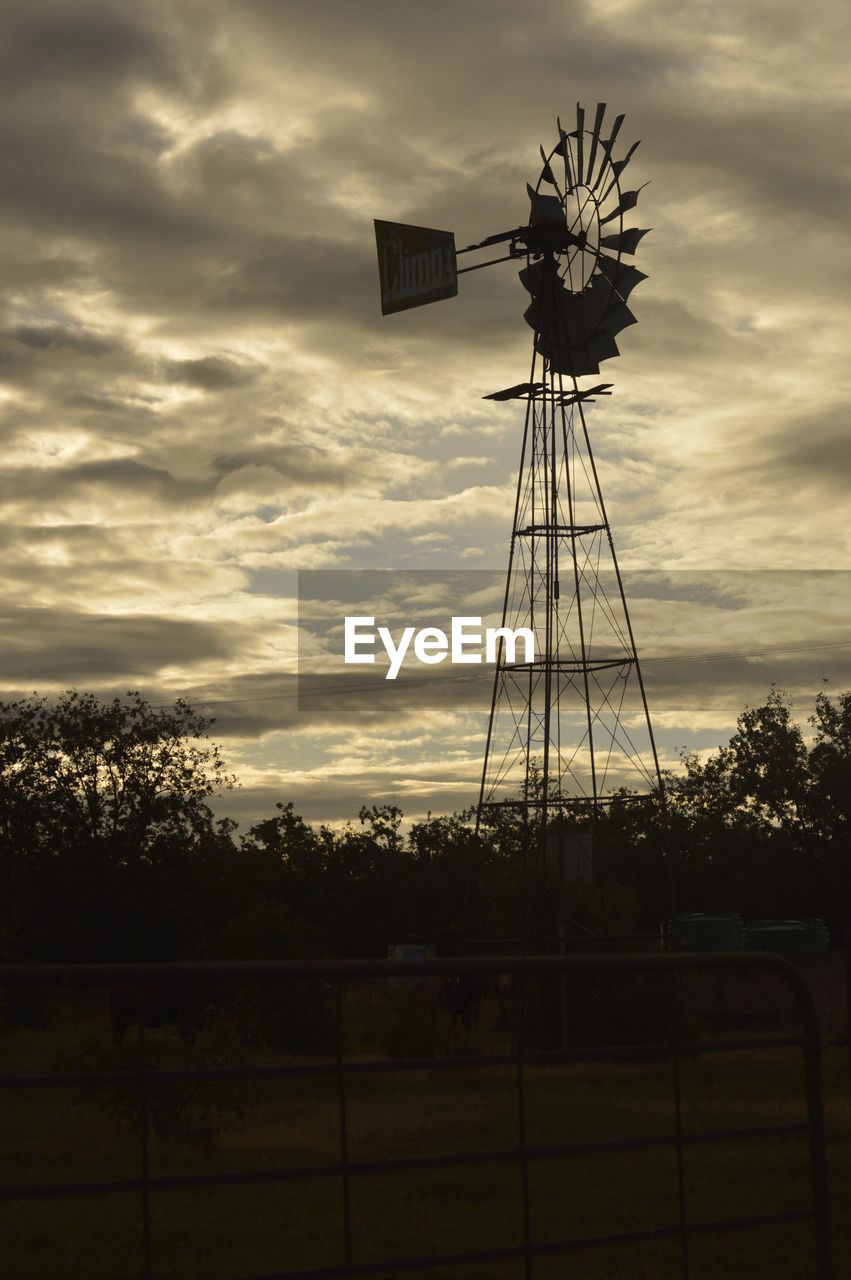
x=575, y=273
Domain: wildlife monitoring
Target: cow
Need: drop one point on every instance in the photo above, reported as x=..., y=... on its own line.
x=503, y=985
x=464, y=997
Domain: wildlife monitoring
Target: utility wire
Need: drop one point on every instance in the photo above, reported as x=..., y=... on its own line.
x=352, y=686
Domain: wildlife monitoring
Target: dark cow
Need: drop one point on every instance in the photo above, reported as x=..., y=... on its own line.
x=188, y=1004
x=503, y=986
x=464, y=997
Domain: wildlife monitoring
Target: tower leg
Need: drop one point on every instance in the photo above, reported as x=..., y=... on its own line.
x=570, y=729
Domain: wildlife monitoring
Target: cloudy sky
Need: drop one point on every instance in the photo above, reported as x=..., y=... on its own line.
x=199, y=396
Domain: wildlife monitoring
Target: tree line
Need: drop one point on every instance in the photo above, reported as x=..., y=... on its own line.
x=110, y=850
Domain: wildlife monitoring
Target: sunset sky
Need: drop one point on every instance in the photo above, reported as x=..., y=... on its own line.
x=199, y=395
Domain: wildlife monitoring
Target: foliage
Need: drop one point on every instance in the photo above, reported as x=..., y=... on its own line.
x=97, y=801
x=761, y=826
x=829, y=799
x=109, y=849
x=123, y=775
x=185, y=1112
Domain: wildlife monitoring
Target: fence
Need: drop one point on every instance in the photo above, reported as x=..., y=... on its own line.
x=522, y=1057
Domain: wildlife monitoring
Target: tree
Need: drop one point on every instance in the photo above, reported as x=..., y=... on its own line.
x=123, y=773
x=760, y=820
x=767, y=763
x=830, y=767
x=830, y=800
x=93, y=795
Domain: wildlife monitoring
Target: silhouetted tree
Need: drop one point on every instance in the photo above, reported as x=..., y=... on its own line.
x=830, y=768
x=109, y=848
x=759, y=824
x=96, y=799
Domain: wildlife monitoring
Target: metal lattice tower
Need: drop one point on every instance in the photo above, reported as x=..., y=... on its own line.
x=572, y=726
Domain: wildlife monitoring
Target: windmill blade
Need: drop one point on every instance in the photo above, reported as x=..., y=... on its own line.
x=546, y=172
x=620, y=275
x=607, y=151
x=574, y=363
x=618, y=167
x=580, y=140
x=562, y=148
x=573, y=340
x=584, y=363
x=618, y=318
x=602, y=347
x=546, y=210
x=574, y=322
x=543, y=316
x=534, y=314
x=624, y=241
x=568, y=319
x=582, y=313
x=566, y=322
x=554, y=334
x=628, y=200
x=563, y=318
x=532, y=277
x=616, y=128
x=547, y=175
x=595, y=134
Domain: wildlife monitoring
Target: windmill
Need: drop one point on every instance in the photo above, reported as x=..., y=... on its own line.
x=571, y=728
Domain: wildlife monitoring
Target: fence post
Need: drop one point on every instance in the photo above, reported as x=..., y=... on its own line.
x=145, y=1105
x=818, y=1157
x=848, y=1004
x=344, y=1136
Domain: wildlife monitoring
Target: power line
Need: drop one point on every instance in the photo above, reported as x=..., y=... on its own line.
x=353, y=686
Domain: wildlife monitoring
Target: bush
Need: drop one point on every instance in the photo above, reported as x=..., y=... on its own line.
x=187, y=1112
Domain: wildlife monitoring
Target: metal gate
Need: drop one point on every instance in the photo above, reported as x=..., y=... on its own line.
x=522, y=1059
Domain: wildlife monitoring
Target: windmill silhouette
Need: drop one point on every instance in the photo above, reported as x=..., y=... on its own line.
x=570, y=729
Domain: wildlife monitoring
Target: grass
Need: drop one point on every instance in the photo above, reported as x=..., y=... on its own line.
x=211, y=1233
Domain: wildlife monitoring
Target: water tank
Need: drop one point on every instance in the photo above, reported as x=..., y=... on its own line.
x=701, y=932
x=787, y=935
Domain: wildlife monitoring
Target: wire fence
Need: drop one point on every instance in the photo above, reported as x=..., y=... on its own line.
x=525, y=1155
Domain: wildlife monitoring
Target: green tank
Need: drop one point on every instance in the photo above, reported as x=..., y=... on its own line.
x=699, y=931
x=787, y=935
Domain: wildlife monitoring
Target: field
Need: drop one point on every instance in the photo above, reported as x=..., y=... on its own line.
x=209, y=1233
